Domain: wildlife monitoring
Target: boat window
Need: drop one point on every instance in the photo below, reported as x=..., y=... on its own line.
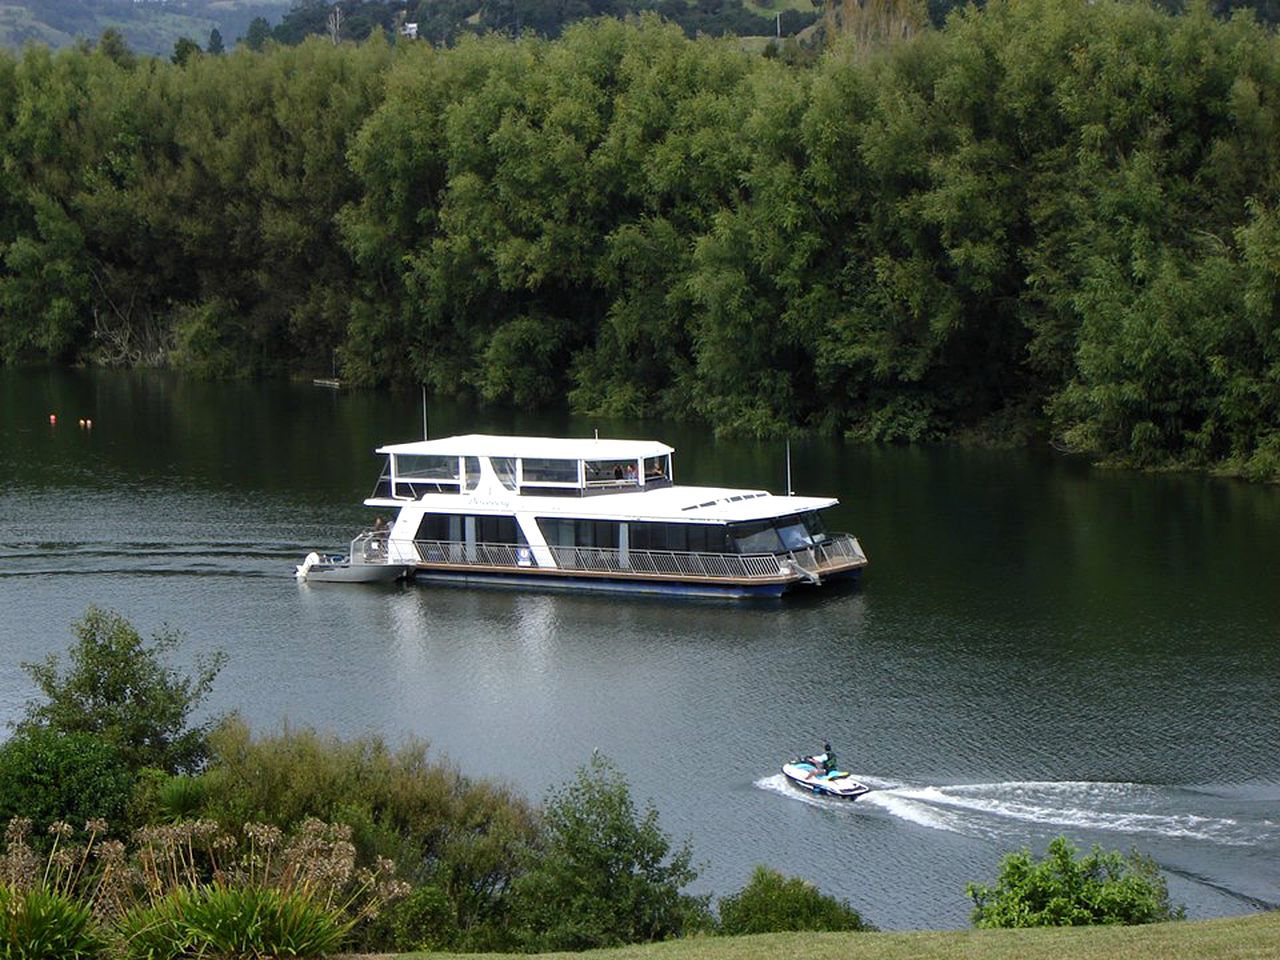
x=383, y=487
x=451, y=527
x=505, y=468
x=794, y=534
x=757, y=537
x=498, y=530
x=536, y=470
x=579, y=533
x=679, y=537
x=814, y=524
x=414, y=466
x=440, y=526
x=471, y=470
x=657, y=470
x=610, y=473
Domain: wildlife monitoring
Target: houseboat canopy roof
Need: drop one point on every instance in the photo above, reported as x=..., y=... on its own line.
x=549, y=448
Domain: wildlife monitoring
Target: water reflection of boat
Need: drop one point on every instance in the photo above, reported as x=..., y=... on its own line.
x=596, y=514
x=367, y=562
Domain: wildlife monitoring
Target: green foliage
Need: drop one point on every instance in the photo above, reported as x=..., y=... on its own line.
x=49, y=775
x=187, y=890
x=424, y=920
x=445, y=831
x=232, y=921
x=118, y=690
x=156, y=930
x=1052, y=212
x=184, y=50
x=772, y=903
x=1061, y=890
x=39, y=924
x=601, y=874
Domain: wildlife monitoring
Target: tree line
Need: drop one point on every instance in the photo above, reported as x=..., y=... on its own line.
x=1046, y=219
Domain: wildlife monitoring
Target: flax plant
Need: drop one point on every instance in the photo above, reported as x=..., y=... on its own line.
x=188, y=888
x=41, y=914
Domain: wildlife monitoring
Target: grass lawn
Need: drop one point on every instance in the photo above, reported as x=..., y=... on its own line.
x=1253, y=937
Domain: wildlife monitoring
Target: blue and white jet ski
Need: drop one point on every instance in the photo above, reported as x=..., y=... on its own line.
x=817, y=776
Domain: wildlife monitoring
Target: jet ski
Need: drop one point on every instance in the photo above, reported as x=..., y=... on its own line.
x=819, y=777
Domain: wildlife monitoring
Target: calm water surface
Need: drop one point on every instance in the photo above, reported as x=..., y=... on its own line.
x=1038, y=647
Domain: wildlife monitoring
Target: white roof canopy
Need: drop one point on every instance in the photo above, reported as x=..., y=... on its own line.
x=546, y=448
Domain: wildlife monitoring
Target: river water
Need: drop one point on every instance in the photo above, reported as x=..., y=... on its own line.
x=1039, y=647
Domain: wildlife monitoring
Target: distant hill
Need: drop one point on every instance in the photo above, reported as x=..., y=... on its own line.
x=149, y=26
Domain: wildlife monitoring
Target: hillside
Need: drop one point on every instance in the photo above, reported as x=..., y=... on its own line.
x=148, y=27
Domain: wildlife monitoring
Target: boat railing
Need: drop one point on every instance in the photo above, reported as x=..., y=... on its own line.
x=672, y=563
x=837, y=550
x=370, y=547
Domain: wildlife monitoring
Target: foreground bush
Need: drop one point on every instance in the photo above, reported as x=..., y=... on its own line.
x=602, y=875
x=47, y=776
x=117, y=687
x=1061, y=891
x=186, y=890
x=39, y=923
x=772, y=903
x=458, y=836
x=218, y=920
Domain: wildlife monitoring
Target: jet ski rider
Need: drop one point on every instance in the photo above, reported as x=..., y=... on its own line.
x=826, y=760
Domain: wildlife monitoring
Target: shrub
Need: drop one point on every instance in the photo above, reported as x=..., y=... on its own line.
x=249, y=921
x=42, y=924
x=424, y=920
x=443, y=829
x=159, y=797
x=219, y=920
x=46, y=775
x=156, y=931
x=600, y=875
x=189, y=890
x=772, y=903
x=1060, y=891
x=118, y=688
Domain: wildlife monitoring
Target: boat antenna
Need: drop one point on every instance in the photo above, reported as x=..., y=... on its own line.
x=425, y=435
x=788, y=466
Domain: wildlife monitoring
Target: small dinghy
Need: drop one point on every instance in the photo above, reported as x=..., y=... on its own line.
x=819, y=775
x=368, y=562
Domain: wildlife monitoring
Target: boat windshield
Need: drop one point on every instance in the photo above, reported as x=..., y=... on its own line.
x=779, y=535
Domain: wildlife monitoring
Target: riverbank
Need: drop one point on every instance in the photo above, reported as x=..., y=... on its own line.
x=1232, y=938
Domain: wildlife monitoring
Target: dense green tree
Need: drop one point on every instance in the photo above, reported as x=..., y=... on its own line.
x=115, y=48
x=258, y=34
x=184, y=49
x=1048, y=219
x=215, y=45
x=118, y=689
x=48, y=775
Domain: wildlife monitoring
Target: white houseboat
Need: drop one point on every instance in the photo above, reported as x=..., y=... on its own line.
x=597, y=514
